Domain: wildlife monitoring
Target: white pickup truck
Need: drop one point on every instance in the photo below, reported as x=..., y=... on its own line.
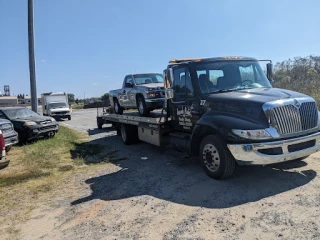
x=143, y=91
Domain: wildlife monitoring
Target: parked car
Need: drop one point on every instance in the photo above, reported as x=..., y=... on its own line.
x=144, y=91
x=10, y=136
x=4, y=162
x=29, y=124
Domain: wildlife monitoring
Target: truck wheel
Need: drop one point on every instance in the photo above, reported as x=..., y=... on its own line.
x=129, y=134
x=69, y=117
x=216, y=160
x=99, y=122
x=142, y=107
x=117, y=108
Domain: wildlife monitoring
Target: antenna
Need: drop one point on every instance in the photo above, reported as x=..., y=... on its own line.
x=135, y=70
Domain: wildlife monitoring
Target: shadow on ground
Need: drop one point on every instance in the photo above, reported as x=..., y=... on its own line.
x=95, y=131
x=150, y=172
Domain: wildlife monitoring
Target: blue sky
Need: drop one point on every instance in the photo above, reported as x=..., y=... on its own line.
x=88, y=46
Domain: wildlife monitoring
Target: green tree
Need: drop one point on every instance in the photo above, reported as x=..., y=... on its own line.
x=71, y=98
x=105, y=97
x=301, y=74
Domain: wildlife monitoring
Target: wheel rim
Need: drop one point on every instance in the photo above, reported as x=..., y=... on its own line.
x=211, y=157
x=116, y=107
x=123, y=133
x=141, y=107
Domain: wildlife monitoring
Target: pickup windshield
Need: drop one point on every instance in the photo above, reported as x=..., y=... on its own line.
x=148, y=78
x=230, y=76
x=57, y=105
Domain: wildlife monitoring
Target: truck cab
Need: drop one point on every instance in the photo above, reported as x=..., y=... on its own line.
x=227, y=112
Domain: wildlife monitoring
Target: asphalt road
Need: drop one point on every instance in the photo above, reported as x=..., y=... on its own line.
x=82, y=120
x=150, y=194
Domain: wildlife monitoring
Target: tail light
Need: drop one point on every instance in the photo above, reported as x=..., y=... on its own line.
x=2, y=145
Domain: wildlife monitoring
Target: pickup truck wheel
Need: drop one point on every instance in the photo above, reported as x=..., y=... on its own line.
x=216, y=160
x=129, y=134
x=69, y=117
x=117, y=108
x=142, y=107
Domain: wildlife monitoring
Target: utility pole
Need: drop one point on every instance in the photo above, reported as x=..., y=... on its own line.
x=32, y=62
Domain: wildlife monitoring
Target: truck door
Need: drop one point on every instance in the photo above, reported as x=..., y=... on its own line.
x=183, y=102
x=126, y=90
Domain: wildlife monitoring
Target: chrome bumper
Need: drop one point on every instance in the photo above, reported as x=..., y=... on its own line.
x=248, y=154
x=12, y=140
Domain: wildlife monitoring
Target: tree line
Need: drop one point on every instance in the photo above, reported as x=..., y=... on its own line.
x=301, y=74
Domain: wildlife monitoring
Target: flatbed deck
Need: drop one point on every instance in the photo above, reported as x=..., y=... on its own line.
x=133, y=118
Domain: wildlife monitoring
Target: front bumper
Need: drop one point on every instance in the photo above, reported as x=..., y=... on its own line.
x=275, y=152
x=11, y=139
x=60, y=115
x=154, y=102
x=41, y=131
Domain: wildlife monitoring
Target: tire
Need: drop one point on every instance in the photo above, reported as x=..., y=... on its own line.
x=69, y=117
x=8, y=148
x=99, y=122
x=142, y=107
x=216, y=160
x=117, y=108
x=129, y=134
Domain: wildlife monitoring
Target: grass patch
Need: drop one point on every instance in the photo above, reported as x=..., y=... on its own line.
x=38, y=170
x=11, y=179
x=83, y=150
x=78, y=106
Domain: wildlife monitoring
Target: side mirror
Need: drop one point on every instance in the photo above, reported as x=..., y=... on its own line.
x=128, y=85
x=270, y=71
x=169, y=93
x=168, y=78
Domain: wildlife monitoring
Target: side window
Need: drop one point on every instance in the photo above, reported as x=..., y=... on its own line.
x=214, y=75
x=129, y=80
x=182, y=84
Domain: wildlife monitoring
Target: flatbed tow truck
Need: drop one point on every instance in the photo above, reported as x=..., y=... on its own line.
x=225, y=111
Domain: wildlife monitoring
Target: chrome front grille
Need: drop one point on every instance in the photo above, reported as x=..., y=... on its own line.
x=293, y=119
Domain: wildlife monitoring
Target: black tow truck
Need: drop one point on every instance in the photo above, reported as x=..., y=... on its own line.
x=225, y=111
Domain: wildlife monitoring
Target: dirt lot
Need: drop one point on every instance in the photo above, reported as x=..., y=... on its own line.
x=149, y=194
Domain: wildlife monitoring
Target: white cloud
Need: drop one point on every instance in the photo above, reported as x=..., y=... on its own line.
x=43, y=60
x=95, y=84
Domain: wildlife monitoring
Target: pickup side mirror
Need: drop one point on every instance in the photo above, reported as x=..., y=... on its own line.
x=270, y=71
x=128, y=85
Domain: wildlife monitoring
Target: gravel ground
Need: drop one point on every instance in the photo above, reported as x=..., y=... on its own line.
x=155, y=195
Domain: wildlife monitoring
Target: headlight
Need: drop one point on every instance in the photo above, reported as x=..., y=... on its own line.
x=29, y=124
x=151, y=95
x=53, y=120
x=6, y=126
x=252, y=134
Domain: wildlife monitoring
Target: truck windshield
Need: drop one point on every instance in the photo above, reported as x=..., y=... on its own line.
x=230, y=76
x=19, y=113
x=57, y=105
x=148, y=78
